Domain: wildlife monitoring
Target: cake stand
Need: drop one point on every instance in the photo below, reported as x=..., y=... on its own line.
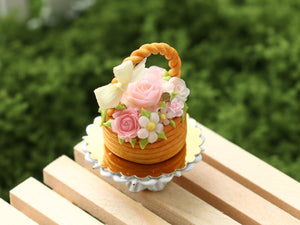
x=136, y=176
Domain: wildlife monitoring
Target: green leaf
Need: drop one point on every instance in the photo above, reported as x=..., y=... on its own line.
x=163, y=105
x=103, y=116
x=183, y=117
x=132, y=142
x=143, y=143
x=185, y=107
x=121, y=141
x=172, y=123
x=145, y=113
x=120, y=107
x=173, y=94
x=166, y=76
x=108, y=123
x=162, y=135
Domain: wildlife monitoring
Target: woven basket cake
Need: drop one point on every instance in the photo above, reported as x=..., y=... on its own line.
x=162, y=149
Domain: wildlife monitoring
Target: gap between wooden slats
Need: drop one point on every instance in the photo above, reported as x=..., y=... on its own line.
x=12, y=216
x=47, y=207
x=174, y=203
x=94, y=195
x=221, y=192
x=252, y=172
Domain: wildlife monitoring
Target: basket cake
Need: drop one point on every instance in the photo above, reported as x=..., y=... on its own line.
x=143, y=110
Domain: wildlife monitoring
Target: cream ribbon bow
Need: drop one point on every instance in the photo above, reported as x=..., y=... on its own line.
x=109, y=96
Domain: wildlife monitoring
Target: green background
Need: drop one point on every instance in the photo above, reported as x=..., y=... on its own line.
x=240, y=61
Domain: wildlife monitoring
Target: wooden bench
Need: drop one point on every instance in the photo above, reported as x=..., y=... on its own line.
x=230, y=186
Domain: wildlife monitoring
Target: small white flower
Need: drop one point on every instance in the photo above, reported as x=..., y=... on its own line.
x=164, y=117
x=150, y=127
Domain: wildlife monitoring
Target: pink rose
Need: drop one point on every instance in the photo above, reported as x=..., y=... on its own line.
x=155, y=72
x=145, y=93
x=174, y=109
x=126, y=123
x=180, y=88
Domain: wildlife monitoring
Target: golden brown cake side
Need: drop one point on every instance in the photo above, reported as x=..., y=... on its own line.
x=127, y=168
x=152, y=153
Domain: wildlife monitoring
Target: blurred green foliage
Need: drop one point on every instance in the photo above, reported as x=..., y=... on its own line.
x=240, y=60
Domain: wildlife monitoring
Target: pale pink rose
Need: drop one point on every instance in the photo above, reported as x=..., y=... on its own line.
x=154, y=72
x=174, y=109
x=126, y=123
x=180, y=88
x=145, y=94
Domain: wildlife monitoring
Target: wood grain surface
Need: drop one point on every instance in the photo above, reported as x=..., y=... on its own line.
x=12, y=216
x=252, y=172
x=45, y=206
x=94, y=195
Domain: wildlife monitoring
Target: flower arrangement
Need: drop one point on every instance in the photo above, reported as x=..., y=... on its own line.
x=143, y=101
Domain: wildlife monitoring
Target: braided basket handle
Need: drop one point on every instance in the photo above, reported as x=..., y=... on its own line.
x=154, y=48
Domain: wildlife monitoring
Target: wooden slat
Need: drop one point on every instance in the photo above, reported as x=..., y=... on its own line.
x=232, y=198
x=221, y=192
x=94, y=195
x=12, y=216
x=47, y=207
x=252, y=172
x=174, y=203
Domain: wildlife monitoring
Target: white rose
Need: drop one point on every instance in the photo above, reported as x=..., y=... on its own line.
x=167, y=86
x=180, y=88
